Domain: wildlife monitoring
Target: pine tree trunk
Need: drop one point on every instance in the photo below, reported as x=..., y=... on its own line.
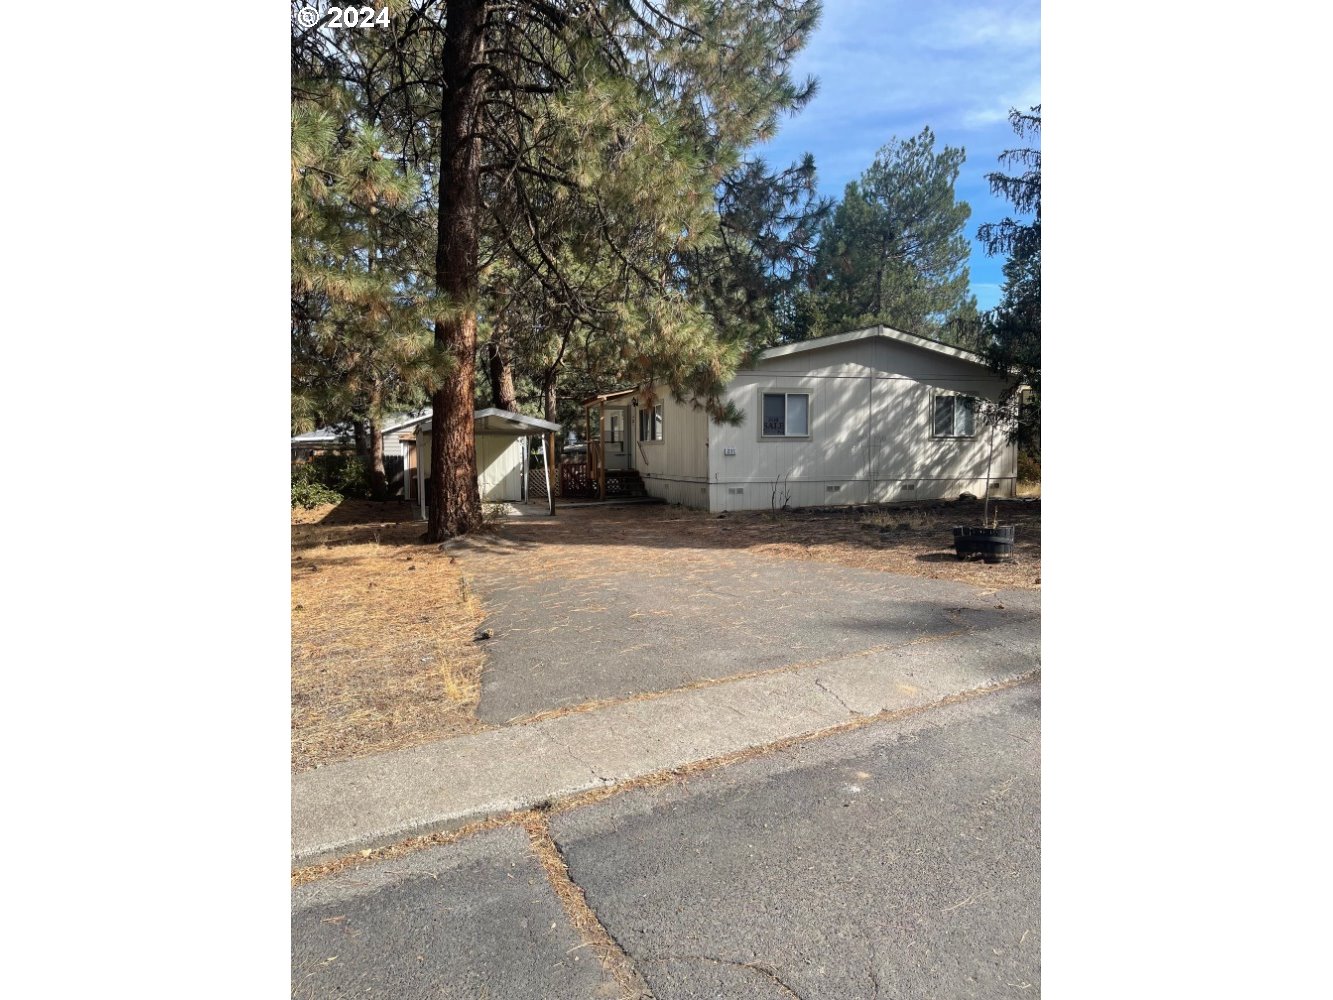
x=379, y=482
x=455, y=504
x=360, y=439
x=502, y=378
x=549, y=400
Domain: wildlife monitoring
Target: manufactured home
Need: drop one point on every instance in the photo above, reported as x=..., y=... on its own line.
x=870, y=416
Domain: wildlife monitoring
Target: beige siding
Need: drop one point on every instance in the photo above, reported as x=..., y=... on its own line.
x=871, y=431
x=499, y=468
x=675, y=468
x=500, y=465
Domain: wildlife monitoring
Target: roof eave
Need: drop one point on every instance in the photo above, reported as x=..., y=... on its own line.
x=868, y=333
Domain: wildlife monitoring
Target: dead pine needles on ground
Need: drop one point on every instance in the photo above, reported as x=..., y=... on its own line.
x=382, y=635
x=910, y=538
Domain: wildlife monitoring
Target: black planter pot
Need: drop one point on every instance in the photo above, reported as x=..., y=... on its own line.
x=991, y=544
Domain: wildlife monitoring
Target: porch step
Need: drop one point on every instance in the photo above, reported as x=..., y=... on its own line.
x=624, y=483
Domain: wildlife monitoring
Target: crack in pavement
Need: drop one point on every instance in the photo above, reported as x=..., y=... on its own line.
x=591, y=770
x=751, y=966
x=835, y=696
x=615, y=960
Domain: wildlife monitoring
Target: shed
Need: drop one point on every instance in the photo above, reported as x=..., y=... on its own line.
x=502, y=455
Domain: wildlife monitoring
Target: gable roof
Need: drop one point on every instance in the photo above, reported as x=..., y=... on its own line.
x=406, y=421
x=325, y=435
x=869, y=333
x=342, y=433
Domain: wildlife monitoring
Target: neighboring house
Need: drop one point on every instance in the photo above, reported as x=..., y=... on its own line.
x=864, y=417
x=502, y=454
x=333, y=440
x=324, y=441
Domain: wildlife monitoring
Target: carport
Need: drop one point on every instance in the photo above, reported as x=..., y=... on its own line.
x=502, y=455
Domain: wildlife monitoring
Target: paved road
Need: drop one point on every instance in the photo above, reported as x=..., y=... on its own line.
x=476, y=920
x=897, y=860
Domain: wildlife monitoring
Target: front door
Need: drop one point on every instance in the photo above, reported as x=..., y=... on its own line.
x=615, y=437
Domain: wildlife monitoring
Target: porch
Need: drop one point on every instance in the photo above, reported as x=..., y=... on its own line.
x=607, y=470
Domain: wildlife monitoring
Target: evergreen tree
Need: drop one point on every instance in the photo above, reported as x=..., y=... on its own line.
x=768, y=225
x=361, y=345
x=894, y=251
x=1013, y=328
x=580, y=146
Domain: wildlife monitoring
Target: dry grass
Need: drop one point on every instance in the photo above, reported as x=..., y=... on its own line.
x=382, y=627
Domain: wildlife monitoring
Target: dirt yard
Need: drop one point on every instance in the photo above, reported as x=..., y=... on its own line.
x=914, y=539
x=382, y=635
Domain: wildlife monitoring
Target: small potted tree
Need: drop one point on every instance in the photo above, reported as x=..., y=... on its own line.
x=992, y=541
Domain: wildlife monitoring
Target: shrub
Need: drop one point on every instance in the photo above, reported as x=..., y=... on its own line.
x=345, y=474
x=351, y=477
x=1029, y=467
x=307, y=489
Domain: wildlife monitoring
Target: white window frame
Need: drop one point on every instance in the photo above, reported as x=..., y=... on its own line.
x=654, y=418
x=781, y=391
x=934, y=408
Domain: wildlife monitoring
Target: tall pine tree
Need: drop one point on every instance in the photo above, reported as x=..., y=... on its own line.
x=895, y=250
x=581, y=146
x=1013, y=328
x=361, y=347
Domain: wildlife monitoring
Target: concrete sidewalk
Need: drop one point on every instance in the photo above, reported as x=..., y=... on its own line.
x=383, y=799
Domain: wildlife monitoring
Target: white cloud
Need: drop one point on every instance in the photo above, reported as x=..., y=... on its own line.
x=889, y=67
x=955, y=64
x=998, y=109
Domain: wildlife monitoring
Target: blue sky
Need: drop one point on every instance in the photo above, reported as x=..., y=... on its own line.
x=888, y=68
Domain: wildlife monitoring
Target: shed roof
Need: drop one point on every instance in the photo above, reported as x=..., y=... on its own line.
x=493, y=421
x=506, y=422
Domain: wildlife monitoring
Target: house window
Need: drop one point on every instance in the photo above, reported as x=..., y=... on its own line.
x=955, y=416
x=786, y=414
x=650, y=423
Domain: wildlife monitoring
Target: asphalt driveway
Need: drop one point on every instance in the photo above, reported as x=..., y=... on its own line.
x=603, y=603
